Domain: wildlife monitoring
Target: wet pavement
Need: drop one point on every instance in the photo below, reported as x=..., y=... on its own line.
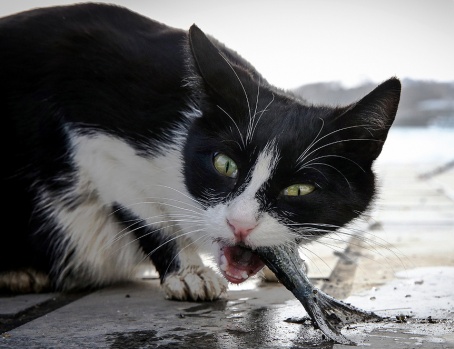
x=397, y=262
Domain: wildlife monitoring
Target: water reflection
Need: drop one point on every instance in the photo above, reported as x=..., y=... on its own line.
x=252, y=325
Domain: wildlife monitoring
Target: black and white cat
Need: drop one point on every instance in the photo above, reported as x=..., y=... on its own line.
x=125, y=140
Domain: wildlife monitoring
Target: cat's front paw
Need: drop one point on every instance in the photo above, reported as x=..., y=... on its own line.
x=194, y=283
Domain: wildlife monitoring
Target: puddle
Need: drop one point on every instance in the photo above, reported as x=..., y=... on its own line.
x=232, y=337
x=265, y=327
x=151, y=339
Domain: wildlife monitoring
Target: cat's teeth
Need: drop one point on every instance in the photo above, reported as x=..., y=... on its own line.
x=223, y=264
x=244, y=275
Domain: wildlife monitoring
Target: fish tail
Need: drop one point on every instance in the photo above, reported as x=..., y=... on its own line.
x=330, y=315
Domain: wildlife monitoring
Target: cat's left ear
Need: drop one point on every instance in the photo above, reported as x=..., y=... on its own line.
x=370, y=118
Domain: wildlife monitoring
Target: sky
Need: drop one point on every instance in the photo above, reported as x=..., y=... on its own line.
x=296, y=42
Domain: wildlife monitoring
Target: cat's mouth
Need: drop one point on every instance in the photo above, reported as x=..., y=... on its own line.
x=239, y=263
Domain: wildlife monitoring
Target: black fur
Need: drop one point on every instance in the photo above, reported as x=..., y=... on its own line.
x=95, y=69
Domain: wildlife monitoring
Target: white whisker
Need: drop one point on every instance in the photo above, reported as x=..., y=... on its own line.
x=315, y=255
x=168, y=205
x=178, y=191
x=336, y=142
x=235, y=124
x=126, y=231
x=334, y=156
x=239, y=80
x=173, y=239
x=334, y=168
x=313, y=142
x=335, y=233
x=305, y=154
x=260, y=116
x=206, y=236
x=155, y=230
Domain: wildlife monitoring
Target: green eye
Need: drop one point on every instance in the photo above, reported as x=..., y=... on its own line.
x=299, y=189
x=225, y=166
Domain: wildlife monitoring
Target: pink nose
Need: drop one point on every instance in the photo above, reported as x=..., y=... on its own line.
x=241, y=229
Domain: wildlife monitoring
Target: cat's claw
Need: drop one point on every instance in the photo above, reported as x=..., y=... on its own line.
x=194, y=283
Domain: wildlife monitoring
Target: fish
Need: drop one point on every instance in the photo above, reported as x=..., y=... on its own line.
x=327, y=314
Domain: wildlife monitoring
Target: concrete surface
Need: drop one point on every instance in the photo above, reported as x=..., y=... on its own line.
x=399, y=263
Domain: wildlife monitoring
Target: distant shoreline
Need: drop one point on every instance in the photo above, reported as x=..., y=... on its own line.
x=423, y=103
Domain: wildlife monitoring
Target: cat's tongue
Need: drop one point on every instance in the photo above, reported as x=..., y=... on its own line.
x=237, y=263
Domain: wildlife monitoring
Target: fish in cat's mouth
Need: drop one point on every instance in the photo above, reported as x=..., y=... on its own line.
x=238, y=263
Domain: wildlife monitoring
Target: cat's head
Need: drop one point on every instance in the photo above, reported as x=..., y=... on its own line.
x=269, y=168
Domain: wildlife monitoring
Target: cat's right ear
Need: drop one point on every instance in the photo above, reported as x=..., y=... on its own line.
x=218, y=74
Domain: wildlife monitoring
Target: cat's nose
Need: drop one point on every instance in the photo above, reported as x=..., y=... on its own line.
x=241, y=229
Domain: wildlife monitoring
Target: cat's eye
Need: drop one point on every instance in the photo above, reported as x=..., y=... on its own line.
x=225, y=165
x=298, y=190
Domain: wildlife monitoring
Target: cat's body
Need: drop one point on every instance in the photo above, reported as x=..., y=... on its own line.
x=126, y=140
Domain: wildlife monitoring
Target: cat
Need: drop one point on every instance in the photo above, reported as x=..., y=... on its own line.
x=125, y=141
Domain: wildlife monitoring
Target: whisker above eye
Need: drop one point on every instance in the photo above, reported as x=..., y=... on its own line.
x=332, y=156
x=335, y=169
x=260, y=116
x=337, y=142
x=249, y=132
x=315, y=140
x=241, y=83
x=305, y=154
x=236, y=125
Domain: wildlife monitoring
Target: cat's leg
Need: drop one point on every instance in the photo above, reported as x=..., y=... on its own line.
x=182, y=272
x=193, y=280
x=24, y=281
x=175, y=256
